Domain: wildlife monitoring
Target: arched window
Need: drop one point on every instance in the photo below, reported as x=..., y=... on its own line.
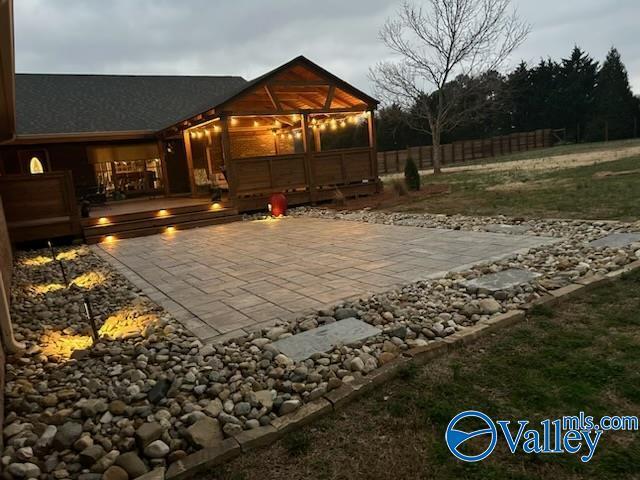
x=35, y=166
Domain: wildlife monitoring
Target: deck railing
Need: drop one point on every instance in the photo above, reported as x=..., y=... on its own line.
x=303, y=177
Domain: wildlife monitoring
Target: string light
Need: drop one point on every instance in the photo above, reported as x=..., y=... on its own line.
x=234, y=121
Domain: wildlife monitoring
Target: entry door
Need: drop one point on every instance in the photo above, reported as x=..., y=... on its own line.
x=177, y=168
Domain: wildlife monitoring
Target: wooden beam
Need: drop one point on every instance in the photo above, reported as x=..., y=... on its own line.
x=299, y=83
x=267, y=113
x=163, y=165
x=272, y=97
x=227, y=158
x=373, y=143
x=332, y=91
x=308, y=158
x=187, y=148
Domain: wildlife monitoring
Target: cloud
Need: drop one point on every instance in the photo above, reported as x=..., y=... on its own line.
x=249, y=37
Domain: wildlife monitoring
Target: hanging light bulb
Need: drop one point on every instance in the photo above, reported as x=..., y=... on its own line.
x=234, y=121
x=298, y=135
x=256, y=123
x=343, y=124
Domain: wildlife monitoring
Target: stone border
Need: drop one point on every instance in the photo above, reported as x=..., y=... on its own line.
x=247, y=440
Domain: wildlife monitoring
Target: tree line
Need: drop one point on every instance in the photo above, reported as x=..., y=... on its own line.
x=589, y=100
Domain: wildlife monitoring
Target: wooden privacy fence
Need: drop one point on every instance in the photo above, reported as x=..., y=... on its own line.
x=465, y=151
x=40, y=206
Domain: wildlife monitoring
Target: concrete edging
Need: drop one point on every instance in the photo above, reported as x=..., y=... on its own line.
x=338, y=398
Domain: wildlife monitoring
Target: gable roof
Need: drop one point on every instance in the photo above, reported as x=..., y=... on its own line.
x=302, y=60
x=62, y=104
x=251, y=84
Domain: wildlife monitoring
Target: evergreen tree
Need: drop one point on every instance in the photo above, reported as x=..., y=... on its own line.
x=577, y=82
x=411, y=175
x=614, y=102
x=392, y=131
x=520, y=88
x=545, y=96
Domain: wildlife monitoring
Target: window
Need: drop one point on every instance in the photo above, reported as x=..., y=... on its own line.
x=35, y=166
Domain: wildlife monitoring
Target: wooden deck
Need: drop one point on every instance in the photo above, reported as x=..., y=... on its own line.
x=138, y=218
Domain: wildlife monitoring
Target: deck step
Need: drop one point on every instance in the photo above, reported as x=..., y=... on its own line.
x=152, y=230
x=118, y=225
x=150, y=222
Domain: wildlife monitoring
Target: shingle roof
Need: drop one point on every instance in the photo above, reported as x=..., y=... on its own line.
x=60, y=103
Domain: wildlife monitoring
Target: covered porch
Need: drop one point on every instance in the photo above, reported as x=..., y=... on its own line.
x=298, y=130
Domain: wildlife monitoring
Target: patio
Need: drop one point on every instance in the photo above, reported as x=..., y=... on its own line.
x=224, y=280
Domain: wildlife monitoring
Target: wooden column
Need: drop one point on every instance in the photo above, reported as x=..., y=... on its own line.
x=187, y=148
x=228, y=160
x=308, y=157
x=373, y=144
x=163, y=165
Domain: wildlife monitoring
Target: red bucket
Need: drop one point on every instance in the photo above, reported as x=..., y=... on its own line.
x=278, y=204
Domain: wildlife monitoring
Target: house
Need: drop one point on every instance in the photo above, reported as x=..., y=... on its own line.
x=147, y=153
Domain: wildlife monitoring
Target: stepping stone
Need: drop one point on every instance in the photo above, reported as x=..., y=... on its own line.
x=502, y=280
x=322, y=339
x=616, y=240
x=503, y=228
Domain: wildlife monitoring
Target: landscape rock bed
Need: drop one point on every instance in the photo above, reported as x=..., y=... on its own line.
x=149, y=393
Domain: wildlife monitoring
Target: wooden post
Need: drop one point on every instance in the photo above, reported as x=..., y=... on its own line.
x=163, y=165
x=373, y=144
x=420, y=158
x=228, y=160
x=308, y=158
x=187, y=148
x=384, y=161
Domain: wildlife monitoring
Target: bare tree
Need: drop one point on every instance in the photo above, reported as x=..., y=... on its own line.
x=435, y=43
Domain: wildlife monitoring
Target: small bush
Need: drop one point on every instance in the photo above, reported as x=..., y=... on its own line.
x=411, y=175
x=339, y=198
x=399, y=186
x=297, y=443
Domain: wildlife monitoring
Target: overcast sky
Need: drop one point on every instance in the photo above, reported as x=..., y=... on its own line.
x=249, y=37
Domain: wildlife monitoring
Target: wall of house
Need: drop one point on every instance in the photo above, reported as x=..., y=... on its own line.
x=252, y=144
x=57, y=157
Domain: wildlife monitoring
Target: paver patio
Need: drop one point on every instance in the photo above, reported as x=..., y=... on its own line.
x=224, y=280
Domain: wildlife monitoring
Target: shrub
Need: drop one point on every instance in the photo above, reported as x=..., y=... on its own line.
x=339, y=198
x=411, y=175
x=399, y=186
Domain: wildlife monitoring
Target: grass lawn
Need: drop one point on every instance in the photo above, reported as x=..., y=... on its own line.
x=583, y=355
x=579, y=192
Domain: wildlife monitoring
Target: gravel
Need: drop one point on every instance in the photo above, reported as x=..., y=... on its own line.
x=148, y=393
